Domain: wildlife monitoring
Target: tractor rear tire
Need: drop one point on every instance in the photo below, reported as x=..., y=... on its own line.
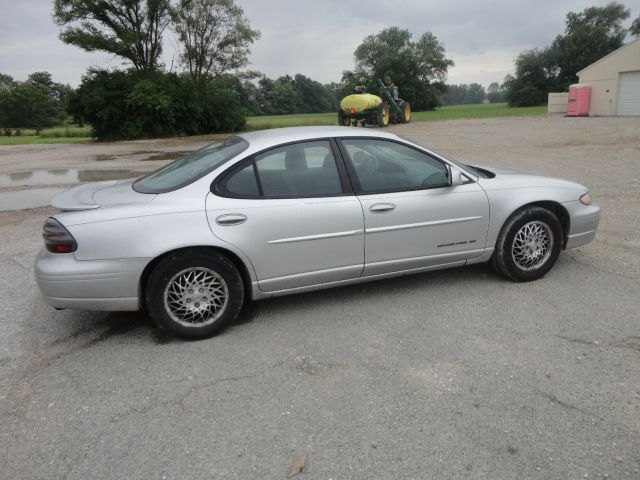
x=383, y=115
x=343, y=120
x=405, y=113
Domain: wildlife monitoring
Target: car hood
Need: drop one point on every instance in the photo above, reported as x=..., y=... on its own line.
x=99, y=194
x=510, y=178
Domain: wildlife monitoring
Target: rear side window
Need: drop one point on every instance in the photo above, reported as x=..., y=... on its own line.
x=241, y=183
x=191, y=167
x=305, y=169
x=299, y=170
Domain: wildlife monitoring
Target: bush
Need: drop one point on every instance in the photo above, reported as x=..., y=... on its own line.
x=130, y=105
x=526, y=95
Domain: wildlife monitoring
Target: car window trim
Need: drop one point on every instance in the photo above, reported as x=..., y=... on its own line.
x=345, y=184
x=354, y=177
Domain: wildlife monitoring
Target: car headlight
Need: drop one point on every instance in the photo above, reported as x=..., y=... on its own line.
x=585, y=199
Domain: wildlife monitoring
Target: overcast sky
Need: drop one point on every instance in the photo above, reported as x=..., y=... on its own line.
x=317, y=37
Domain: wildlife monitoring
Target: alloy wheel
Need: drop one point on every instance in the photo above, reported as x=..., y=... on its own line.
x=196, y=297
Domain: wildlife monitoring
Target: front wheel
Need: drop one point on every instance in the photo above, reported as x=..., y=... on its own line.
x=194, y=295
x=528, y=245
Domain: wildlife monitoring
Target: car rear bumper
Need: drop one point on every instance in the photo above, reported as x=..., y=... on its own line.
x=89, y=284
x=584, y=223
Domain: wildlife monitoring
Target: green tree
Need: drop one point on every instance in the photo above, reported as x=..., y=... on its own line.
x=6, y=81
x=464, y=94
x=476, y=93
x=281, y=96
x=132, y=104
x=214, y=36
x=635, y=27
x=588, y=36
x=131, y=29
x=495, y=93
x=418, y=68
x=61, y=92
x=29, y=105
x=313, y=96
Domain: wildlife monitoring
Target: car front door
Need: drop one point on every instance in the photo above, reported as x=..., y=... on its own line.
x=291, y=211
x=413, y=217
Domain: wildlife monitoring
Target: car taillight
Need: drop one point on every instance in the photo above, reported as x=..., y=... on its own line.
x=57, y=239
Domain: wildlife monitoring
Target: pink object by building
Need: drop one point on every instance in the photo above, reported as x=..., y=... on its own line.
x=578, y=105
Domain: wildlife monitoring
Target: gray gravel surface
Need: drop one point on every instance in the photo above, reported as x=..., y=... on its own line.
x=447, y=375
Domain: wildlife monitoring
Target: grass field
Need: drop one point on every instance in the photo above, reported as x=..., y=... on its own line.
x=445, y=113
x=65, y=134
x=83, y=134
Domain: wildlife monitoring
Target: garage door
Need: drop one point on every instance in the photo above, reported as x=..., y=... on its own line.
x=629, y=96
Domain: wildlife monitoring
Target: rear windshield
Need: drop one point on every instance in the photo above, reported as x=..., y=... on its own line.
x=191, y=167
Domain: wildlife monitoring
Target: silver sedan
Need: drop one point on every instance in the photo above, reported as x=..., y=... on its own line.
x=284, y=211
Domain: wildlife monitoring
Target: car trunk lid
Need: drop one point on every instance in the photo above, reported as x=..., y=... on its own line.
x=99, y=194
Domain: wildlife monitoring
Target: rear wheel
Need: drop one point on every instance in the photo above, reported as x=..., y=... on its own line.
x=405, y=112
x=194, y=295
x=343, y=120
x=383, y=115
x=528, y=245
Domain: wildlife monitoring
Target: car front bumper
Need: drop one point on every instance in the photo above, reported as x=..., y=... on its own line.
x=106, y=285
x=584, y=223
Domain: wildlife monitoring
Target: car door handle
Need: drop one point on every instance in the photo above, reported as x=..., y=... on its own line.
x=230, y=219
x=382, y=208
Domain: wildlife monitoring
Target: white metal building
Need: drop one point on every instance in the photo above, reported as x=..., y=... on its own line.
x=615, y=82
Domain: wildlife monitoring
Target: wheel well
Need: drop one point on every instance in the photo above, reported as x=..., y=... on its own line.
x=239, y=264
x=559, y=211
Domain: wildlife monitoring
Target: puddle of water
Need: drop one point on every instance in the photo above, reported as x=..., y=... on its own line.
x=101, y=157
x=144, y=154
x=22, y=199
x=165, y=156
x=98, y=175
x=63, y=177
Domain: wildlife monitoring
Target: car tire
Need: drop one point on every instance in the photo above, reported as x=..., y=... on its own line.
x=194, y=295
x=528, y=245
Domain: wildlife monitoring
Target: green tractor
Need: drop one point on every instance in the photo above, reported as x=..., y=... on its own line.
x=367, y=109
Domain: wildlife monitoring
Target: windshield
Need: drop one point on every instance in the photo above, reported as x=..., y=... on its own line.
x=191, y=167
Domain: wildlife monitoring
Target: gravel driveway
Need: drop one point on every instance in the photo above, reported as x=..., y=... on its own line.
x=447, y=375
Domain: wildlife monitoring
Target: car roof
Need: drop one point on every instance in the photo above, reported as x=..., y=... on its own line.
x=275, y=136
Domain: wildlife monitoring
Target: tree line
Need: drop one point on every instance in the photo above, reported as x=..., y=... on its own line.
x=209, y=91
x=464, y=94
x=36, y=103
x=588, y=36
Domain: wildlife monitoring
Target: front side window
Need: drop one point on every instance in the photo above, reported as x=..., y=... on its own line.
x=381, y=165
x=191, y=167
x=299, y=170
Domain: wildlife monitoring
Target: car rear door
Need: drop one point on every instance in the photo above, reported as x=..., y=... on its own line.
x=291, y=211
x=413, y=217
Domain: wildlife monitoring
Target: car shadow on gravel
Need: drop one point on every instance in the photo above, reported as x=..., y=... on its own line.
x=363, y=291
x=137, y=328
x=113, y=327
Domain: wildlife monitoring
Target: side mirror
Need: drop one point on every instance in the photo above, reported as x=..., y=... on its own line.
x=456, y=176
